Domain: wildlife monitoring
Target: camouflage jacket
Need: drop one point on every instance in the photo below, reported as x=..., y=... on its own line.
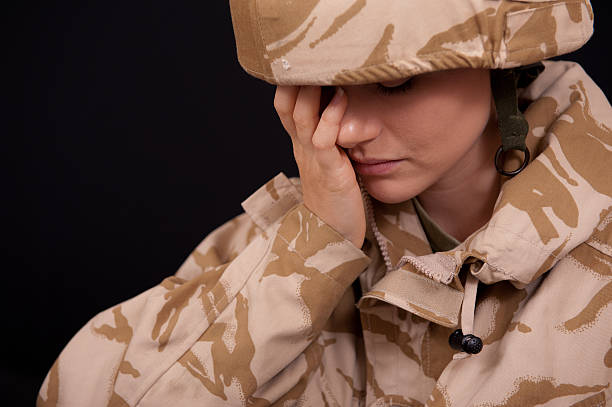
x=263, y=311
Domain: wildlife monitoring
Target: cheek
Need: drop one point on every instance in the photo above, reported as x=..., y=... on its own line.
x=429, y=133
x=415, y=125
x=456, y=125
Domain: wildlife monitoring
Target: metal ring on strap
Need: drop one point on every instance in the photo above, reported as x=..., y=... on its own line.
x=500, y=167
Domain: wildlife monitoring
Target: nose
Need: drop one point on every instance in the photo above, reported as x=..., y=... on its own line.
x=359, y=125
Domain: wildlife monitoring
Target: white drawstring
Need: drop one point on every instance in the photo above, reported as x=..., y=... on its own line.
x=468, y=308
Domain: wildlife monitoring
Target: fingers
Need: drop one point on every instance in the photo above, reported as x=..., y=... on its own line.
x=326, y=134
x=284, y=103
x=306, y=113
x=298, y=108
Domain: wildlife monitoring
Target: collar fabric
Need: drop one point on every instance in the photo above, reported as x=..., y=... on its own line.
x=438, y=239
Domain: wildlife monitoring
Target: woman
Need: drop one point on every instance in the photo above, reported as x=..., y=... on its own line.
x=482, y=273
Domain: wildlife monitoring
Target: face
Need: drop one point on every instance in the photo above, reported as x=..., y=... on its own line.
x=431, y=128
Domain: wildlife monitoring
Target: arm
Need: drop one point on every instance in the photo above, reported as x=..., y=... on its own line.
x=245, y=305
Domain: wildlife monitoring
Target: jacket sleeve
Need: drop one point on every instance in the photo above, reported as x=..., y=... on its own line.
x=230, y=328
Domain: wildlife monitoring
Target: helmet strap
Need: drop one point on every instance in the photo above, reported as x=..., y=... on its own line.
x=512, y=124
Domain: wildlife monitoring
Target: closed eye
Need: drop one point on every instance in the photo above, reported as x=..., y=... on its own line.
x=391, y=90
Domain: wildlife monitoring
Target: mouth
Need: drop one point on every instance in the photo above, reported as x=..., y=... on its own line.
x=374, y=166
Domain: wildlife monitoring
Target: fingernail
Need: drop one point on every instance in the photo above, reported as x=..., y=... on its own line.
x=337, y=96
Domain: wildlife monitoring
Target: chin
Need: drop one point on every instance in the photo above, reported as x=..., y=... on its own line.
x=389, y=191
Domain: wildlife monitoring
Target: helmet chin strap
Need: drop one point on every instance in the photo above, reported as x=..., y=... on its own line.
x=512, y=124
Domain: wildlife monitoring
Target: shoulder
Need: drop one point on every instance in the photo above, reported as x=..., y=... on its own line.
x=263, y=208
x=567, y=83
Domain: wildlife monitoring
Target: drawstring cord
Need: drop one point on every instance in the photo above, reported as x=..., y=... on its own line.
x=465, y=339
x=469, y=304
x=462, y=339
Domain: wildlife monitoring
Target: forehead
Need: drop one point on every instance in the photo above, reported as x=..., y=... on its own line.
x=326, y=42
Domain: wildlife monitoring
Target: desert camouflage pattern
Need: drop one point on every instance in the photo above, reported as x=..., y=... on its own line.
x=348, y=42
x=262, y=313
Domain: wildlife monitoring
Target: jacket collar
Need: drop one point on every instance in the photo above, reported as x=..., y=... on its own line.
x=540, y=215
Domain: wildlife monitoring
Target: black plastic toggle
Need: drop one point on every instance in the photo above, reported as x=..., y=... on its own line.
x=471, y=344
x=467, y=343
x=454, y=340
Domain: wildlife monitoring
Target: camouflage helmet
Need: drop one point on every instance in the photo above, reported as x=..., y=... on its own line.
x=350, y=42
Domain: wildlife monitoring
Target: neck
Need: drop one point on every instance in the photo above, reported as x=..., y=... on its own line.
x=462, y=200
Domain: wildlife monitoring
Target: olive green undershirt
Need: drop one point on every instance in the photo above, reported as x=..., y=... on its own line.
x=439, y=240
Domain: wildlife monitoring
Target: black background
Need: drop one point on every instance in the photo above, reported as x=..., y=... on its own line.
x=130, y=132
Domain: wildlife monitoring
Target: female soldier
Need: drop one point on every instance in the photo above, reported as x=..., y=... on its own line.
x=474, y=285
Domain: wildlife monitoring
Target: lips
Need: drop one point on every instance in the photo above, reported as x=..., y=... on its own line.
x=373, y=166
x=370, y=161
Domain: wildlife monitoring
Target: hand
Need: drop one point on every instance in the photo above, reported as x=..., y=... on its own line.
x=329, y=183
